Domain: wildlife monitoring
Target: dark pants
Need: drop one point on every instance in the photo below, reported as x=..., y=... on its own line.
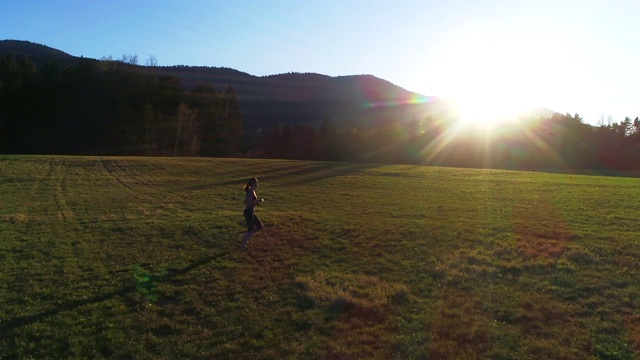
x=253, y=223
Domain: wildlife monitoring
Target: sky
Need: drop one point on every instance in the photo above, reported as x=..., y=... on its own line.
x=490, y=55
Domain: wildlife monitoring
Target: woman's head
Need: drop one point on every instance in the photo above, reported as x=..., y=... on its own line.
x=251, y=184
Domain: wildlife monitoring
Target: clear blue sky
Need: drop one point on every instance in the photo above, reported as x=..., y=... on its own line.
x=578, y=56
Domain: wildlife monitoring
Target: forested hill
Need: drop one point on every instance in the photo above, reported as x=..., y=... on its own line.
x=308, y=98
x=279, y=100
x=40, y=55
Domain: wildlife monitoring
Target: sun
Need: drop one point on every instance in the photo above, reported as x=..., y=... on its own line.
x=487, y=111
x=492, y=86
x=492, y=78
x=490, y=102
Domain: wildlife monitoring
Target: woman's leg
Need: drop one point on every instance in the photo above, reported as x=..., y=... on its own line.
x=258, y=223
x=245, y=238
x=251, y=226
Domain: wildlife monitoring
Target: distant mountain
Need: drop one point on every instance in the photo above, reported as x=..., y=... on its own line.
x=38, y=54
x=284, y=99
x=309, y=98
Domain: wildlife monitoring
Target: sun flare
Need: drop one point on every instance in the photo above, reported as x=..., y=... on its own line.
x=493, y=78
x=487, y=111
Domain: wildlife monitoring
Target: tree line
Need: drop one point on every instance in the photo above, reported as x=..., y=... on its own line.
x=115, y=107
x=558, y=142
x=112, y=107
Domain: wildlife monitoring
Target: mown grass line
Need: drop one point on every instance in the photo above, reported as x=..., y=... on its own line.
x=125, y=257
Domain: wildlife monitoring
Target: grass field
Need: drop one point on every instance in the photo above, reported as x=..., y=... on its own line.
x=137, y=258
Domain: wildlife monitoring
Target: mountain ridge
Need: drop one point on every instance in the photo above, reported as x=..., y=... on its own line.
x=309, y=98
x=39, y=54
x=286, y=99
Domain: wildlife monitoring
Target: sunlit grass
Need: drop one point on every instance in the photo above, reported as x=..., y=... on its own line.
x=138, y=258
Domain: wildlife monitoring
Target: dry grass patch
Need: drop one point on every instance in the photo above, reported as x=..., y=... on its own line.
x=359, y=309
x=459, y=328
x=14, y=218
x=346, y=293
x=632, y=322
x=540, y=230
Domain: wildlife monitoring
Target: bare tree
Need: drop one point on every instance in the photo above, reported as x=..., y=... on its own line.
x=129, y=59
x=152, y=61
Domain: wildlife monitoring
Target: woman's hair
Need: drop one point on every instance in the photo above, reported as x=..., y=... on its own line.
x=251, y=183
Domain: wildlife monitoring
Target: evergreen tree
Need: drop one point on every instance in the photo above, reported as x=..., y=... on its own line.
x=204, y=101
x=229, y=125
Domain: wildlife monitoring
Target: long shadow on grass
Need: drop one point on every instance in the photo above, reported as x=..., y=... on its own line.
x=239, y=182
x=320, y=171
x=21, y=321
x=296, y=169
x=301, y=173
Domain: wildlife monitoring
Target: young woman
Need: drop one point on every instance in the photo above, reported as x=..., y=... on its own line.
x=250, y=201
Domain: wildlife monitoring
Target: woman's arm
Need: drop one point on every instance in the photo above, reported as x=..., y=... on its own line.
x=252, y=198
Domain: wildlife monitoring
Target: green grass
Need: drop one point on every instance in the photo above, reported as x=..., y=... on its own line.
x=137, y=258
